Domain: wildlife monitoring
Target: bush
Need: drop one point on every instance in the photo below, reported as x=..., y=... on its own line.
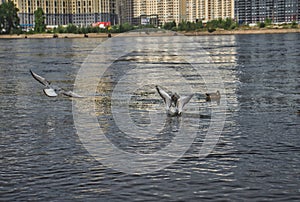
x=59, y=29
x=294, y=25
x=268, y=22
x=261, y=25
x=169, y=25
x=210, y=30
x=72, y=29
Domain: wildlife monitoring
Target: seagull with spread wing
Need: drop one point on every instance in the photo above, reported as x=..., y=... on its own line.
x=52, y=90
x=174, y=103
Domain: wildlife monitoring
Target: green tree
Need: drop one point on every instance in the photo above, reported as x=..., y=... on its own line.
x=268, y=21
x=182, y=26
x=39, y=20
x=9, y=20
x=125, y=27
x=71, y=28
x=170, y=25
x=199, y=25
x=261, y=25
x=229, y=24
x=294, y=24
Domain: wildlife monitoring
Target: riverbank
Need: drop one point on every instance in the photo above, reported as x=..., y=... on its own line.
x=105, y=35
x=249, y=31
x=45, y=36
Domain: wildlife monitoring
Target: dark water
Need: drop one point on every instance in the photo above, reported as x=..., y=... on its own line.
x=256, y=158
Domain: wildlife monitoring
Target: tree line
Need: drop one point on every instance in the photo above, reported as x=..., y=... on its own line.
x=226, y=24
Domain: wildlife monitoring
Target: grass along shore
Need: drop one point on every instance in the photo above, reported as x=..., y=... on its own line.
x=192, y=33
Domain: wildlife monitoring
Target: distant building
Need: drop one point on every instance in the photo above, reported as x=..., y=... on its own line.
x=124, y=9
x=156, y=12
x=166, y=10
x=214, y=9
x=279, y=11
x=63, y=12
x=179, y=10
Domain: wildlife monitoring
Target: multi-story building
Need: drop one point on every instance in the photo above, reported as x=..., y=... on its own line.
x=63, y=12
x=278, y=11
x=86, y=12
x=165, y=10
x=213, y=9
x=189, y=10
x=124, y=9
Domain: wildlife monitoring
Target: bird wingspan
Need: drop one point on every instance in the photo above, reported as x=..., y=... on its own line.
x=40, y=79
x=72, y=94
x=182, y=101
x=165, y=96
x=50, y=92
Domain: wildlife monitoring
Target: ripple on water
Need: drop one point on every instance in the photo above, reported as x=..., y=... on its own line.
x=256, y=158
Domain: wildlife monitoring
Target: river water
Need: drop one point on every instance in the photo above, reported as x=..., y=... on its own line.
x=256, y=156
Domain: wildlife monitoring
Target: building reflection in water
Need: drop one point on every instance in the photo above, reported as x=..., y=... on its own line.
x=145, y=99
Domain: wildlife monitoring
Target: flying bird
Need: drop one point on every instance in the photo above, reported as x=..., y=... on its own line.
x=52, y=90
x=174, y=103
x=213, y=96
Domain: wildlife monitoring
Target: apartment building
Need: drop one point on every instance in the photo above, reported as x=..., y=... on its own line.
x=124, y=9
x=278, y=11
x=189, y=10
x=165, y=10
x=213, y=9
x=63, y=12
x=158, y=12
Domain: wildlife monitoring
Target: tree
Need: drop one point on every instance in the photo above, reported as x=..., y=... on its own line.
x=170, y=25
x=182, y=26
x=9, y=20
x=71, y=28
x=261, y=24
x=199, y=25
x=294, y=25
x=125, y=27
x=268, y=21
x=39, y=20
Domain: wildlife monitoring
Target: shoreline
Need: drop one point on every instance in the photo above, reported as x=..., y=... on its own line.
x=194, y=33
x=58, y=35
x=240, y=32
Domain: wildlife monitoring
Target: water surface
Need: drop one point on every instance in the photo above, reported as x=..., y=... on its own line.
x=256, y=158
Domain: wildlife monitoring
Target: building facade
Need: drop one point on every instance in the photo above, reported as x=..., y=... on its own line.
x=158, y=12
x=279, y=11
x=214, y=9
x=165, y=10
x=187, y=10
x=124, y=9
x=63, y=12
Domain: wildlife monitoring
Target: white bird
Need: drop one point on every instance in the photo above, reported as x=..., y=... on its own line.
x=52, y=90
x=174, y=103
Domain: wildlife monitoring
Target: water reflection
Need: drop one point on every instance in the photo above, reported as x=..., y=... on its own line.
x=257, y=155
x=145, y=99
